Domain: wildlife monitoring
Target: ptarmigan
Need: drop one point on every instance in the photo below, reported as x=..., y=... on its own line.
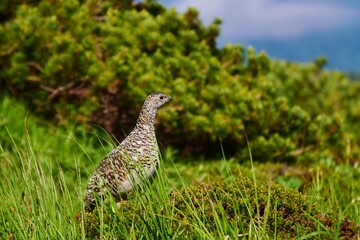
x=133, y=161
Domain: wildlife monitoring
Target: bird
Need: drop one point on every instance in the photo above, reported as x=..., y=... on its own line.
x=132, y=162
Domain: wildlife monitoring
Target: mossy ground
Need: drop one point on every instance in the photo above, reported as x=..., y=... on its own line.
x=239, y=207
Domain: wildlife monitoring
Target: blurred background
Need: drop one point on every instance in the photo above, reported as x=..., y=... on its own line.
x=263, y=67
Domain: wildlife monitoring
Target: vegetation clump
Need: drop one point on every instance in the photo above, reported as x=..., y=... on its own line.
x=228, y=208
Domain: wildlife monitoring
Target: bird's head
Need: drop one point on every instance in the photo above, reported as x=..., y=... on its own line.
x=157, y=99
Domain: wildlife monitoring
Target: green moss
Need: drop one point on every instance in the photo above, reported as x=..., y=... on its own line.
x=230, y=208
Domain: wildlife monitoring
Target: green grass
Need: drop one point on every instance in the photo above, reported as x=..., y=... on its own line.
x=44, y=170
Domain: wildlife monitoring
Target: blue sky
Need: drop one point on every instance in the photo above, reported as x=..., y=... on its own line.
x=295, y=30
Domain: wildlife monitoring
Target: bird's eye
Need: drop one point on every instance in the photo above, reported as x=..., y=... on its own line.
x=161, y=97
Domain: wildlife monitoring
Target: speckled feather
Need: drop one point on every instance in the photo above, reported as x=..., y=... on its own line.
x=134, y=160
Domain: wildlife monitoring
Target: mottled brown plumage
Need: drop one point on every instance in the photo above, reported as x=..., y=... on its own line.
x=133, y=161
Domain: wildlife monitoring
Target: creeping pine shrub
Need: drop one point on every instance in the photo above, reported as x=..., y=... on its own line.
x=219, y=209
x=95, y=62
